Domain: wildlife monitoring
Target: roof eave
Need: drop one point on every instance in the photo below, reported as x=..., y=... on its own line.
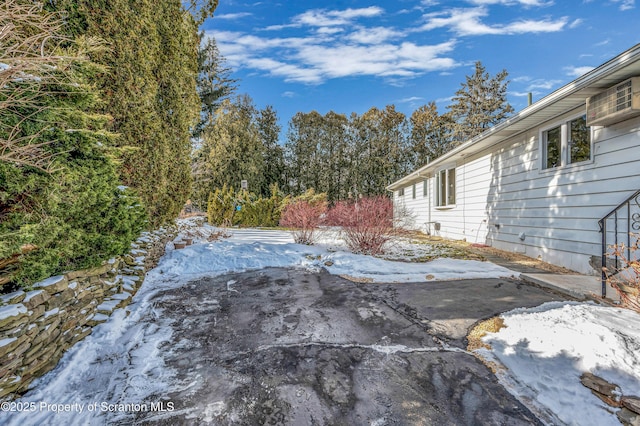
x=498, y=131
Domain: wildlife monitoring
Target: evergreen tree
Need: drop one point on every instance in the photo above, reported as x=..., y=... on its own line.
x=381, y=137
x=301, y=152
x=430, y=134
x=214, y=82
x=479, y=104
x=333, y=151
x=149, y=88
x=269, y=131
x=201, y=9
x=74, y=213
x=231, y=150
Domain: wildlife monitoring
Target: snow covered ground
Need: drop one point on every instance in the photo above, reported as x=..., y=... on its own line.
x=544, y=349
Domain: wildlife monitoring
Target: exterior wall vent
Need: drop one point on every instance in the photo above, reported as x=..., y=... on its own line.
x=615, y=104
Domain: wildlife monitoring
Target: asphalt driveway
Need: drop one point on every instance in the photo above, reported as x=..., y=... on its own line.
x=283, y=346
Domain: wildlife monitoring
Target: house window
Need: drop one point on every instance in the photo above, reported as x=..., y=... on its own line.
x=401, y=192
x=425, y=188
x=553, y=147
x=446, y=187
x=567, y=143
x=579, y=140
x=413, y=191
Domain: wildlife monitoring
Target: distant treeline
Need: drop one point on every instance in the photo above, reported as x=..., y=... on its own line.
x=342, y=156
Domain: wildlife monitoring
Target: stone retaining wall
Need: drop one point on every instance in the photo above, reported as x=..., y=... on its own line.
x=38, y=326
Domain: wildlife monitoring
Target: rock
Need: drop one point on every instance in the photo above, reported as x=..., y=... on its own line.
x=9, y=385
x=7, y=346
x=430, y=277
x=13, y=298
x=328, y=263
x=628, y=417
x=11, y=315
x=609, y=393
x=35, y=298
x=632, y=403
x=53, y=285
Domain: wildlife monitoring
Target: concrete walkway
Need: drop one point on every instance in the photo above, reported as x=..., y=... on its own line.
x=580, y=286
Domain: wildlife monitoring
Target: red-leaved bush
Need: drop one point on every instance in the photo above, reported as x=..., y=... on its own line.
x=304, y=217
x=367, y=224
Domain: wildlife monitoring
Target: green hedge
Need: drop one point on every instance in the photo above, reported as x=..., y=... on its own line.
x=242, y=208
x=74, y=213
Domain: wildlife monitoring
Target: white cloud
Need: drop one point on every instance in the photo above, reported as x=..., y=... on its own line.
x=333, y=44
x=533, y=85
x=233, y=16
x=467, y=22
x=405, y=60
x=577, y=71
x=374, y=35
x=411, y=100
x=625, y=4
x=542, y=84
x=444, y=100
x=329, y=30
x=526, y=3
x=575, y=23
x=328, y=18
x=289, y=94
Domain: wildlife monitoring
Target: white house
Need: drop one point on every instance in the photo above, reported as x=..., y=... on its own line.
x=540, y=182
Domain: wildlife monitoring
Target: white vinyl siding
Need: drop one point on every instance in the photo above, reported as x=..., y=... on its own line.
x=506, y=197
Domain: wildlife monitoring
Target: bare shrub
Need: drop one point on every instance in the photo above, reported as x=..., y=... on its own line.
x=367, y=224
x=304, y=217
x=625, y=280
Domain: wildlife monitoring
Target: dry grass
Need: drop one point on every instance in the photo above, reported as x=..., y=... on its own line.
x=474, y=339
x=459, y=249
x=356, y=279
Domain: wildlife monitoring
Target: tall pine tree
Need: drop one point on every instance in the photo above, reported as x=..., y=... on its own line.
x=214, y=82
x=430, y=134
x=269, y=131
x=480, y=103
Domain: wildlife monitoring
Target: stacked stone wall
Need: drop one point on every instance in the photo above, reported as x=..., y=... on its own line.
x=38, y=326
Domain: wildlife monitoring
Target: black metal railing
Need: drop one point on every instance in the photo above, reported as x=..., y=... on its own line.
x=616, y=228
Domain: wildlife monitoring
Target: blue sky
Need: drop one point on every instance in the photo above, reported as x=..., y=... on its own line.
x=351, y=55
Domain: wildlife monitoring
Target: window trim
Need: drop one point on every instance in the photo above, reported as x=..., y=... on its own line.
x=447, y=197
x=565, y=146
x=413, y=192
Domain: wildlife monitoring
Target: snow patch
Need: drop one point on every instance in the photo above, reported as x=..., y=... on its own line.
x=546, y=349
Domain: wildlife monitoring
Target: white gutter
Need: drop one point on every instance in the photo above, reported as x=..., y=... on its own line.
x=624, y=59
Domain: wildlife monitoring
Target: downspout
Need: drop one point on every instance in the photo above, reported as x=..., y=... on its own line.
x=429, y=204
